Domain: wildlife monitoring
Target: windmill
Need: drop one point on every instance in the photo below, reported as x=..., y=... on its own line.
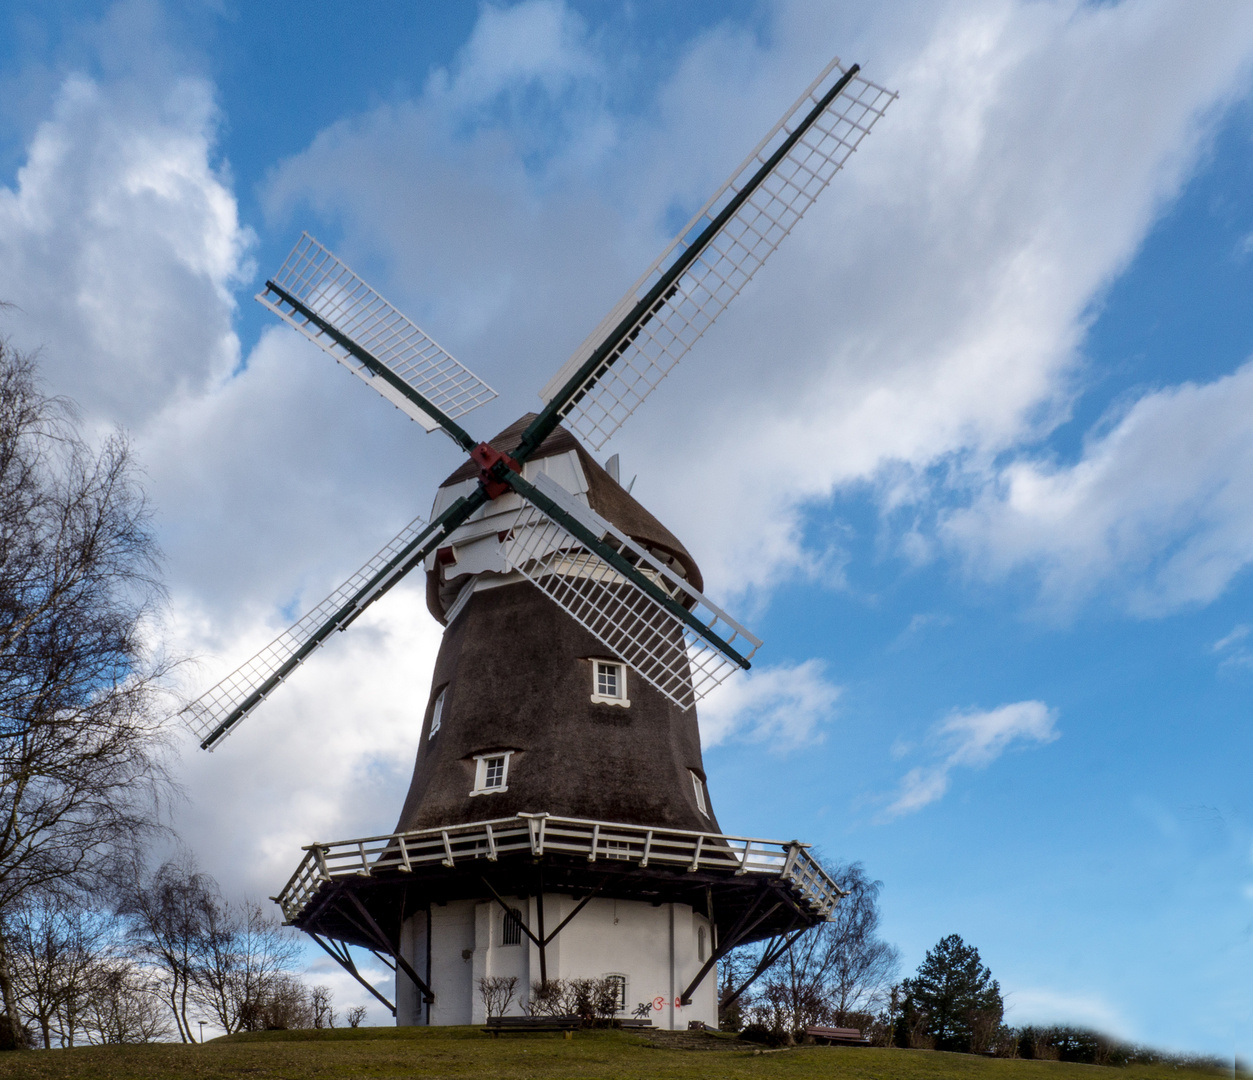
x=559, y=780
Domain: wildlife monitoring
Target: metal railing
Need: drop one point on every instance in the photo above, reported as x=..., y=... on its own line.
x=540, y=834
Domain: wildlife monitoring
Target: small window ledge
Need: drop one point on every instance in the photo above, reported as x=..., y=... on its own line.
x=606, y=699
x=488, y=791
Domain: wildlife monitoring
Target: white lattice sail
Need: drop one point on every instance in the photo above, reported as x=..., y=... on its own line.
x=208, y=712
x=663, y=334
x=658, y=645
x=328, y=288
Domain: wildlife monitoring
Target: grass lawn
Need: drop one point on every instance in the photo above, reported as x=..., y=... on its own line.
x=466, y=1052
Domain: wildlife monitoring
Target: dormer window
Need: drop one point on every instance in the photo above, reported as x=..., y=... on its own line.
x=698, y=786
x=491, y=772
x=437, y=713
x=609, y=683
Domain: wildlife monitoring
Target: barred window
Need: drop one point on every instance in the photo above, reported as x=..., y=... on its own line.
x=511, y=930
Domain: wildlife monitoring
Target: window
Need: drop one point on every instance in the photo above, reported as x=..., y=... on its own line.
x=491, y=772
x=608, y=680
x=698, y=786
x=511, y=929
x=618, y=984
x=609, y=683
x=700, y=943
x=437, y=713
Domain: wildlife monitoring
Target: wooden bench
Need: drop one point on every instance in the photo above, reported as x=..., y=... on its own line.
x=835, y=1036
x=519, y=1025
x=633, y=1023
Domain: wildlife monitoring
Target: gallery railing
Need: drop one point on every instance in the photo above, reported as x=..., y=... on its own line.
x=541, y=834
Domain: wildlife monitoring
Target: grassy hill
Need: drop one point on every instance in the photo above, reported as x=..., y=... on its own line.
x=465, y=1052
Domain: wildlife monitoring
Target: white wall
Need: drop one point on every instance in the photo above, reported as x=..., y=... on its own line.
x=656, y=948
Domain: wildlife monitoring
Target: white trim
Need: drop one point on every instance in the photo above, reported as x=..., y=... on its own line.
x=480, y=772
x=437, y=713
x=698, y=786
x=620, y=697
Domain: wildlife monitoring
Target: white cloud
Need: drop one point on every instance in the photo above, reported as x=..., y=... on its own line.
x=120, y=245
x=783, y=706
x=972, y=740
x=1043, y=1006
x=1160, y=507
x=534, y=43
x=930, y=308
x=331, y=754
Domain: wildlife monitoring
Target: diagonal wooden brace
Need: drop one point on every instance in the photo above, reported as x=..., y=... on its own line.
x=385, y=944
x=345, y=961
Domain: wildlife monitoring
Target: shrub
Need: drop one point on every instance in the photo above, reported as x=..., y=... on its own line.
x=759, y=1033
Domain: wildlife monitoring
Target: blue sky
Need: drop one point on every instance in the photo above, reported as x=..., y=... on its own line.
x=971, y=454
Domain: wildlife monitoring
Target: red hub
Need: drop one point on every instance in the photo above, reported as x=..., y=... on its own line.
x=488, y=458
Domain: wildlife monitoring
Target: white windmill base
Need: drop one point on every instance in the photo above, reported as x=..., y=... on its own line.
x=657, y=950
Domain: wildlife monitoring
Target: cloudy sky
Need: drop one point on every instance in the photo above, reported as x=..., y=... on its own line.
x=973, y=453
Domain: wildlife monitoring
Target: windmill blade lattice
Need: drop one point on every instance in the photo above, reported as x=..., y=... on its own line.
x=645, y=350
x=662, y=648
x=218, y=711
x=318, y=280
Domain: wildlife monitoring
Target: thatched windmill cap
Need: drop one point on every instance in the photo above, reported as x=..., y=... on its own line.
x=605, y=495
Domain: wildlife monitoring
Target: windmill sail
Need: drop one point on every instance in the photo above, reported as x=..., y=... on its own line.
x=216, y=713
x=683, y=655
x=322, y=298
x=715, y=255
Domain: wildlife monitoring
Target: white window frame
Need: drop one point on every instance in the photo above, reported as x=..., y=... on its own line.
x=480, y=772
x=437, y=713
x=619, y=698
x=698, y=786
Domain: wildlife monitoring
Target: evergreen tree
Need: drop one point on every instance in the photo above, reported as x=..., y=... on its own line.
x=953, y=998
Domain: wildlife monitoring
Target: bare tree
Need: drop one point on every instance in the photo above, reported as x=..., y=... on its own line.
x=839, y=973
x=243, y=953
x=72, y=979
x=862, y=965
x=168, y=912
x=322, y=1007
x=497, y=993
x=125, y=1004
x=284, y=1005
x=355, y=1015
x=55, y=952
x=81, y=762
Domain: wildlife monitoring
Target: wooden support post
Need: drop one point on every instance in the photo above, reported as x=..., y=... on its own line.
x=345, y=961
x=539, y=919
x=390, y=949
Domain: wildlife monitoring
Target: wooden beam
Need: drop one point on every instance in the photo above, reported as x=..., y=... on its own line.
x=763, y=965
x=346, y=963
x=388, y=947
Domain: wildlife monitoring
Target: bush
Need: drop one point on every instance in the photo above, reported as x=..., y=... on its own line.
x=759, y=1033
x=593, y=1000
